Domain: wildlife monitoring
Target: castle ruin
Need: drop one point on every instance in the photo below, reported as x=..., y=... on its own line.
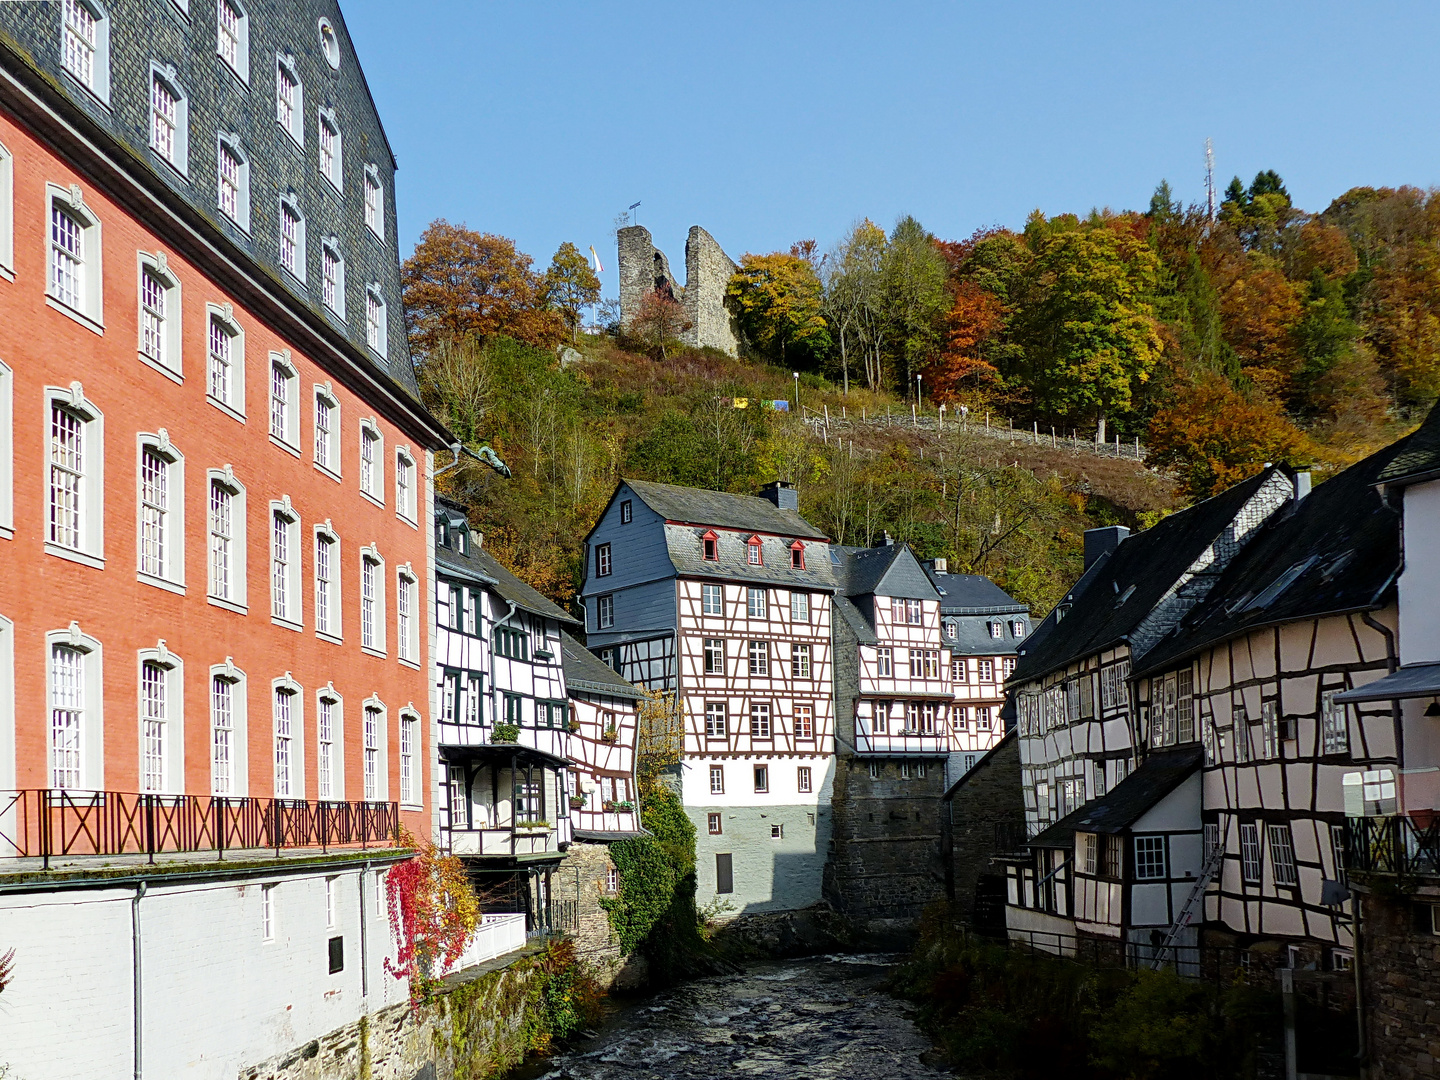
x=644, y=269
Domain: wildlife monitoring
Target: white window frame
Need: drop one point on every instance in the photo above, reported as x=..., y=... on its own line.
x=290, y=209
x=293, y=616
x=1154, y=844
x=169, y=362
x=374, y=766
x=172, y=673
x=91, y=728
x=335, y=177
x=234, y=597
x=376, y=615
x=90, y=549
x=98, y=83
x=1334, y=724
x=172, y=532
x=296, y=735
x=328, y=693
x=377, y=330
x=1251, y=853
x=7, y=214
x=375, y=473
x=408, y=608
x=7, y=452
x=406, y=494
x=227, y=142
x=163, y=77
x=374, y=201
x=757, y=603
x=718, y=592
x=1283, y=869
x=267, y=911
x=89, y=308
x=241, y=63
x=334, y=629
x=289, y=438
x=412, y=772
x=800, y=607
x=239, y=784
x=222, y=317
x=327, y=444
x=330, y=256
x=286, y=70
x=605, y=611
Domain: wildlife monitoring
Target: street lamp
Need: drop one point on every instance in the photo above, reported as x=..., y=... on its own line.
x=917, y=392
x=797, y=390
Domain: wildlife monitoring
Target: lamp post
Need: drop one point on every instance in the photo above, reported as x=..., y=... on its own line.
x=917, y=393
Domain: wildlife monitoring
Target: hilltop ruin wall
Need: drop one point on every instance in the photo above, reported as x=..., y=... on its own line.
x=644, y=269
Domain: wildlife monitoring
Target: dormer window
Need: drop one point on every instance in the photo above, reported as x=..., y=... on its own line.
x=797, y=556
x=711, y=544
x=1017, y=628
x=950, y=630
x=462, y=541
x=752, y=552
x=996, y=630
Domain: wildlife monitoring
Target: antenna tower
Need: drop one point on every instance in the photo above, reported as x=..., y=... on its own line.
x=1210, y=178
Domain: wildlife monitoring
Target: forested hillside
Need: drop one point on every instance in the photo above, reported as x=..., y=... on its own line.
x=1268, y=334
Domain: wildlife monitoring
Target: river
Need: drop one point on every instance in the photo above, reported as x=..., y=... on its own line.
x=812, y=1019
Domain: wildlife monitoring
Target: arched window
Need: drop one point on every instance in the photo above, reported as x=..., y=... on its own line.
x=376, y=330
x=162, y=721
x=233, y=178
x=405, y=492
x=372, y=455
x=75, y=678
x=411, y=769
x=284, y=402
x=329, y=740
x=159, y=315
x=228, y=730
x=75, y=477
x=289, y=98
x=288, y=717
x=406, y=614
x=331, y=162
x=332, y=281
x=285, y=603
x=169, y=119
x=225, y=520
x=74, y=278
x=160, y=502
x=372, y=601
x=328, y=623
x=292, y=236
x=327, y=430
x=85, y=45
x=232, y=37
x=373, y=721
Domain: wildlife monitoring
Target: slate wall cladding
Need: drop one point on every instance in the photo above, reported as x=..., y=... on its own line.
x=159, y=32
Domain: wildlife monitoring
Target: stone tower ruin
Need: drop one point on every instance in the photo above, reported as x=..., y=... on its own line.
x=644, y=269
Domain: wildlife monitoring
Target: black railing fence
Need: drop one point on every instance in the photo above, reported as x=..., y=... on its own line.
x=1407, y=846
x=1211, y=962
x=46, y=823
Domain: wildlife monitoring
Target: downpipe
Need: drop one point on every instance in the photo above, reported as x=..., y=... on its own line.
x=136, y=1000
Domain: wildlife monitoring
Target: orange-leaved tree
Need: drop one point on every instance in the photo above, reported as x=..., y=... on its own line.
x=460, y=283
x=974, y=319
x=658, y=323
x=1212, y=436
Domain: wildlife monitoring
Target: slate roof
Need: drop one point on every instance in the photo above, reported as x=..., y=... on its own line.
x=1150, y=561
x=584, y=671
x=687, y=555
x=972, y=594
x=861, y=571
x=697, y=506
x=482, y=568
x=1005, y=740
x=859, y=625
x=1421, y=457
x=1336, y=550
x=1156, y=777
x=972, y=637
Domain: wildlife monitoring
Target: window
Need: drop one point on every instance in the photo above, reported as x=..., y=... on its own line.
x=1241, y=723
x=1335, y=735
x=913, y=612
x=1017, y=628
x=710, y=600
x=605, y=612
x=232, y=37
x=882, y=718
x=371, y=449
x=225, y=364
x=161, y=528
x=1007, y=666
x=717, y=780
x=232, y=168
x=753, y=554
x=759, y=653
x=799, y=607
x=512, y=709
x=710, y=547
x=983, y=718
x=716, y=726
x=284, y=415
x=459, y=798
x=327, y=731
x=897, y=610
x=154, y=715
x=372, y=602
x=997, y=629
x=85, y=45
x=405, y=490
x=874, y=770
x=800, y=661
x=777, y=832
x=373, y=723
x=714, y=656
x=1269, y=730
x=226, y=523
x=804, y=721
x=74, y=276
x=169, y=115
x=1211, y=840
x=376, y=330
x=284, y=563
x=884, y=661
x=7, y=214
x=289, y=99
x=406, y=646
x=625, y=512
x=330, y=160
x=409, y=745
x=986, y=670
x=756, y=604
x=905, y=770
x=957, y=717
x=329, y=44
x=762, y=779
x=159, y=315
x=1282, y=855
x=332, y=277
x=797, y=556
x=1090, y=848
x=713, y=822
x=602, y=560
x=1250, y=852
x=374, y=202
x=760, y=720
x=1337, y=851
x=514, y=644
x=227, y=730
x=802, y=778
x=75, y=506
x=289, y=775
x=1185, y=705
x=292, y=237
x=950, y=629
x=327, y=430
x=473, y=693
x=267, y=912
x=1149, y=857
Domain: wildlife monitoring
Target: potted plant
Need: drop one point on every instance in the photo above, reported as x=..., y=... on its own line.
x=577, y=802
x=624, y=807
x=609, y=806
x=505, y=733
x=574, y=727
x=609, y=735
x=531, y=826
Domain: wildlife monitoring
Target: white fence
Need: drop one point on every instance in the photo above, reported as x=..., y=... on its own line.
x=495, y=936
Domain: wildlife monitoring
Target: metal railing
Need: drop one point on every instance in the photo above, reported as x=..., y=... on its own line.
x=1406, y=846
x=46, y=823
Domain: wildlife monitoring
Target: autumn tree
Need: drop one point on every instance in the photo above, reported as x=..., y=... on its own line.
x=460, y=283
x=658, y=323
x=1212, y=436
x=777, y=301
x=572, y=285
x=913, y=276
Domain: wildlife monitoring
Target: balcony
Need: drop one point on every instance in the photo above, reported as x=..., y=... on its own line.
x=1393, y=822
x=41, y=825
x=518, y=843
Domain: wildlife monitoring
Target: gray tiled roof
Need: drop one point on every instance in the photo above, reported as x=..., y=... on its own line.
x=687, y=553
x=697, y=506
x=972, y=594
x=1157, y=776
x=885, y=570
x=859, y=625
x=973, y=636
x=584, y=671
x=518, y=593
x=1420, y=456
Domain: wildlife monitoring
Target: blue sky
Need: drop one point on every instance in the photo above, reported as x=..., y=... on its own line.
x=769, y=122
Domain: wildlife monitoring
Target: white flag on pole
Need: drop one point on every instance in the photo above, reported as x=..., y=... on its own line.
x=598, y=268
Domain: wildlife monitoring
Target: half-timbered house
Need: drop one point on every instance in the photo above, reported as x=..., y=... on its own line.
x=725, y=601
x=504, y=717
x=604, y=801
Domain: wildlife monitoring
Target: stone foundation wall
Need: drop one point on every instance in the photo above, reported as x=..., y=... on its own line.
x=989, y=795
x=1400, y=972
x=584, y=873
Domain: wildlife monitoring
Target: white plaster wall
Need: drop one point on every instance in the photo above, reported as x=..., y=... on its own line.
x=1420, y=580
x=740, y=780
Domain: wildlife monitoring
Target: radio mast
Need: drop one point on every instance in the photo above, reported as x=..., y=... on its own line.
x=1210, y=178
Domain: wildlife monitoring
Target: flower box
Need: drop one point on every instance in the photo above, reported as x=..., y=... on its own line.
x=609, y=735
x=577, y=802
x=505, y=733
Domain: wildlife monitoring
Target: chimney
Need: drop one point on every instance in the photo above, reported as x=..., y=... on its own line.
x=1302, y=484
x=884, y=540
x=783, y=494
x=940, y=566
x=1102, y=541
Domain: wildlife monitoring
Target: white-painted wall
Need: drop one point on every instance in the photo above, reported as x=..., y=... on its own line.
x=1420, y=580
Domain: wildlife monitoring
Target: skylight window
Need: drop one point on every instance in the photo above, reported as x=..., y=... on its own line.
x=1272, y=592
